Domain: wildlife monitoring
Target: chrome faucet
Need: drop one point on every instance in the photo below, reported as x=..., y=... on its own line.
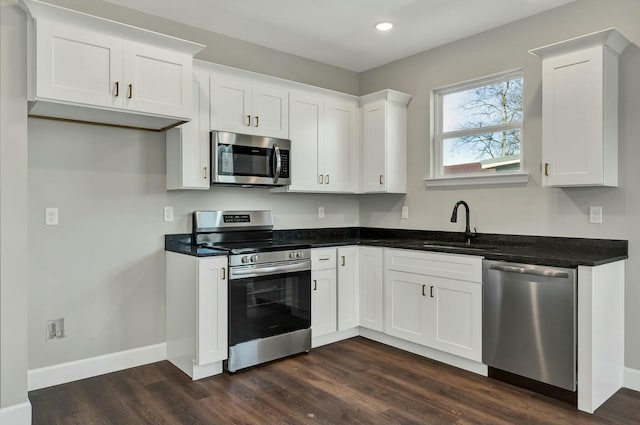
x=467, y=230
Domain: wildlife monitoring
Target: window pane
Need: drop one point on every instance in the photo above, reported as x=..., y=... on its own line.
x=493, y=104
x=482, y=153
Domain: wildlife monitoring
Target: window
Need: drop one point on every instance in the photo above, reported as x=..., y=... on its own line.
x=478, y=129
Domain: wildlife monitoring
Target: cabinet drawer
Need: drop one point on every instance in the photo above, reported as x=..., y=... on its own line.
x=324, y=258
x=451, y=266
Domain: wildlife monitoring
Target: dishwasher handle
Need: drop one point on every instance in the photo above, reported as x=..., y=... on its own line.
x=546, y=272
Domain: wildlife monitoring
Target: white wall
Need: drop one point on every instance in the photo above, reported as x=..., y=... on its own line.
x=13, y=223
x=528, y=209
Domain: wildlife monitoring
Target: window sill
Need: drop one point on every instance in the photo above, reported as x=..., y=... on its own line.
x=477, y=180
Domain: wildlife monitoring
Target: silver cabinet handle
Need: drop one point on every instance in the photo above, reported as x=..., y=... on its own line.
x=248, y=120
x=546, y=168
x=321, y=179
x=224, y=273
x=423, y=288
x=117, y=88
x=324, y=259
x=381, y=179
x=257, y=121
x=327, y=180
x=315, y=285
x=130, y=91
x=343, y=261
x=536, y=272
x=431, y=291
x=204, y=173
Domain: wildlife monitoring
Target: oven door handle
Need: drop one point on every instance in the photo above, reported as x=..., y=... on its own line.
x=277, y=163
x=251, y=271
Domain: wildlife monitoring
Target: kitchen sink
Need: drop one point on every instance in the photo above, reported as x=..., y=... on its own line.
x=456, y=246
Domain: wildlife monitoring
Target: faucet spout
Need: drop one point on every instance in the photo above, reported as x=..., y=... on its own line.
x=454, y=219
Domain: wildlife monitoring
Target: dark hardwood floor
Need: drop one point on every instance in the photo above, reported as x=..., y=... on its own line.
x=357, y=381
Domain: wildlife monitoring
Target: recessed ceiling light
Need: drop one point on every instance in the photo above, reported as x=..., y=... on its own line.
x=384, y=26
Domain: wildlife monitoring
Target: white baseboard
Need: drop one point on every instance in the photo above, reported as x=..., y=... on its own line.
x=94, y=366
x=18, y=414
x=334, y=337
x=632, y=379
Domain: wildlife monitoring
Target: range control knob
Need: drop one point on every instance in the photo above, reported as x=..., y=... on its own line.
x=254, y=258
x=292, y=254
x=299, y=254
x=245, y=259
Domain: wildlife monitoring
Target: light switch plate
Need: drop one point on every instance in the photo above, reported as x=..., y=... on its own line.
x=405, y=212
x=168, y=213
x=595, y=215
x=51, y=217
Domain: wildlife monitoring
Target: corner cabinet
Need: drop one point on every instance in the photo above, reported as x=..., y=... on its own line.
x=324, y=143
x=248, y=107
x=384, y=142
x=188, y=148
x=89, y=69
x=196, y=313
x=435, y=300
x=371, y=288
x=580, y=110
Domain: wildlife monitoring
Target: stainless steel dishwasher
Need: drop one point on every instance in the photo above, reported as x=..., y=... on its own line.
x=529, y=321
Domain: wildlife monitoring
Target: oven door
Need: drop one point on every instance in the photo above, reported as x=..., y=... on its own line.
x=268, y=300
x=249, y=160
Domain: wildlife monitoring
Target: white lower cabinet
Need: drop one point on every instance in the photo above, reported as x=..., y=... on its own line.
x=196, y=313
x=348, y=288
x=324, y=317
x=371, y=284
x=435, y=300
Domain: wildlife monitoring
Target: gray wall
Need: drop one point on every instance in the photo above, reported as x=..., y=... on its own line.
x=13, y=208
x=529, y=209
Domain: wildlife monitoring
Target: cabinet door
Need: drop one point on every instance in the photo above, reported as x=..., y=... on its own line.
x=188, y=144
x=307, y=115
x=323, y=302
x=211, y=335
x=374, y=146
x=348, y=288
x=158, y=81
x=455, y=317
x=230, y=105
x=339, y=149
x=405, y=306
x=270, y=112
x=572, y=124
x=371, y=293
x=79, y=66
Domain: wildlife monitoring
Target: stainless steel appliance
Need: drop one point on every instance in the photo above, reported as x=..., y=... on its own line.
x=529, y=320
x=269, y=286
x=241, y=159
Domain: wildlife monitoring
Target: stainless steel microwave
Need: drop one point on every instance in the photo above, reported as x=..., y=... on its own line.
x=242, y=159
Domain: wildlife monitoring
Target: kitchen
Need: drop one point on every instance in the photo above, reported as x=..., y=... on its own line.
x=109, y=186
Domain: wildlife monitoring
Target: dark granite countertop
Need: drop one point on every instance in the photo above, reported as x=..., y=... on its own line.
x=543, y=250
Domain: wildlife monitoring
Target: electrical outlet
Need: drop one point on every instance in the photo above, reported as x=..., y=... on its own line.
x=55, y=329
x=51, y=216
x=320, y=212
x=405, y=212
x=595, y=215
x=168, y=213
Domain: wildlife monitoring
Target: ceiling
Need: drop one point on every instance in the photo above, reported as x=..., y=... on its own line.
x=341, y=32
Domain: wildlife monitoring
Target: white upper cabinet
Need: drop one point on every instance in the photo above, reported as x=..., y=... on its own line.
x=580, y=110
x=243, y=106
x=84, y=68
x=324, y=143
x=188, y=148
x=384, y=141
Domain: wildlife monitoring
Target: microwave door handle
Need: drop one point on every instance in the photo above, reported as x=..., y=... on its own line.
x=277, y=164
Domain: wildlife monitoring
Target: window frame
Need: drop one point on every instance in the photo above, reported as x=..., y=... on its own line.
x=437, y=176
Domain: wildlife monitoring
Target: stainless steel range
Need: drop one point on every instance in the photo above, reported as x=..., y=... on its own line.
x=269, y=286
